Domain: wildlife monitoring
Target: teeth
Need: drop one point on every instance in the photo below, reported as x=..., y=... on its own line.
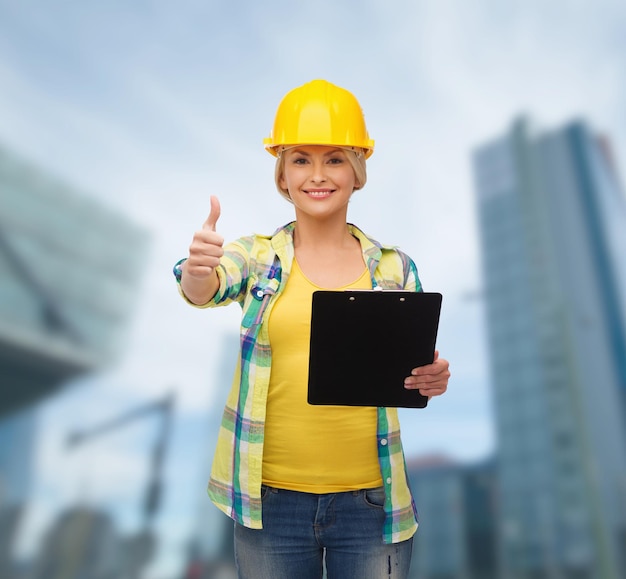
x=318, y=193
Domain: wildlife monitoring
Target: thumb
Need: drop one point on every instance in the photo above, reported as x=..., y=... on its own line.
x=214, y=215
x=436, y=356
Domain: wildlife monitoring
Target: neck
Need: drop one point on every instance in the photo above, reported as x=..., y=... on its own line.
x=322, y=235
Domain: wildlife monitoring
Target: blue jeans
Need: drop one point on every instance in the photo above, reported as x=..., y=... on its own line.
x=302, y=531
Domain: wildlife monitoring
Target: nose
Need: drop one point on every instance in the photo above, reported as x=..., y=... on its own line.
x=318, y=174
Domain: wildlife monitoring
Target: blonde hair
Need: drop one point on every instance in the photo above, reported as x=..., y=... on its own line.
x=355, y=157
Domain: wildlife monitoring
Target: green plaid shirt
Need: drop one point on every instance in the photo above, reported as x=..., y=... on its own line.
x=253, y=272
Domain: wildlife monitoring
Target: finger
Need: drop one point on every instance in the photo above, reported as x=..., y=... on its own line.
x=436, y=356
x=214, y=215
x=422, y=381
x=433, y=392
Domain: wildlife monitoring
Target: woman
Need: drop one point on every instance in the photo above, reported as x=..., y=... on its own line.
x=307, y=485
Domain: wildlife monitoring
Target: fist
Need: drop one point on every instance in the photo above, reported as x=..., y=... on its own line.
x=206, y=250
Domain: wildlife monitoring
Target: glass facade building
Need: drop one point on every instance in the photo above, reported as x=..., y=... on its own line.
x=553, y=236
x=70, y=268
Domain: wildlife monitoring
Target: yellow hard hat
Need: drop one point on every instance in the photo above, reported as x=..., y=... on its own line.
x=319, y=113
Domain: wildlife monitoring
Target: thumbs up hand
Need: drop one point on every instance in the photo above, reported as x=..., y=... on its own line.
x=206, y=247
x=199, y=281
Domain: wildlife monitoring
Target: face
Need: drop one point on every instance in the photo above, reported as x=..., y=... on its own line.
x=320, y=179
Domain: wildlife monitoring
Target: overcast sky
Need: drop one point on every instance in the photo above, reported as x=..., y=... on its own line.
x=153, y=106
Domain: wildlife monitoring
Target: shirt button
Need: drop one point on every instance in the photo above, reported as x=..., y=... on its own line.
x=388, y=480
x=384, y=442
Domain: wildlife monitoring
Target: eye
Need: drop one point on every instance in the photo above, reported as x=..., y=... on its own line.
x=335, y=161
x=299, y=161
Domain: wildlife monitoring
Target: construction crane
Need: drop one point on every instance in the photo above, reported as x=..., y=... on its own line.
x=140, y=547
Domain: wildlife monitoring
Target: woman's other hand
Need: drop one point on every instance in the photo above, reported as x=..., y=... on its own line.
x=430, y=380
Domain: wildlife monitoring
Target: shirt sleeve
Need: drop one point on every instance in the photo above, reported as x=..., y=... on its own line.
x=411, y=277
x=232, y=272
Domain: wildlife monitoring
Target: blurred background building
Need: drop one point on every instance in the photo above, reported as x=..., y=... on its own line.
x=456, y=503
x=553, y=233
x=70, y=269
x=69, y=274
x=17, y=444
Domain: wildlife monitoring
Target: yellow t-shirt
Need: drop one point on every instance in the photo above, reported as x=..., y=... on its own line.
x=315, y=449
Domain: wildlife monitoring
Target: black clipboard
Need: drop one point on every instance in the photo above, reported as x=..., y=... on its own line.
x=365, y=342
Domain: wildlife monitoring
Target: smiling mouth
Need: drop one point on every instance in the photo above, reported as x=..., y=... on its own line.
x=319, y=192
